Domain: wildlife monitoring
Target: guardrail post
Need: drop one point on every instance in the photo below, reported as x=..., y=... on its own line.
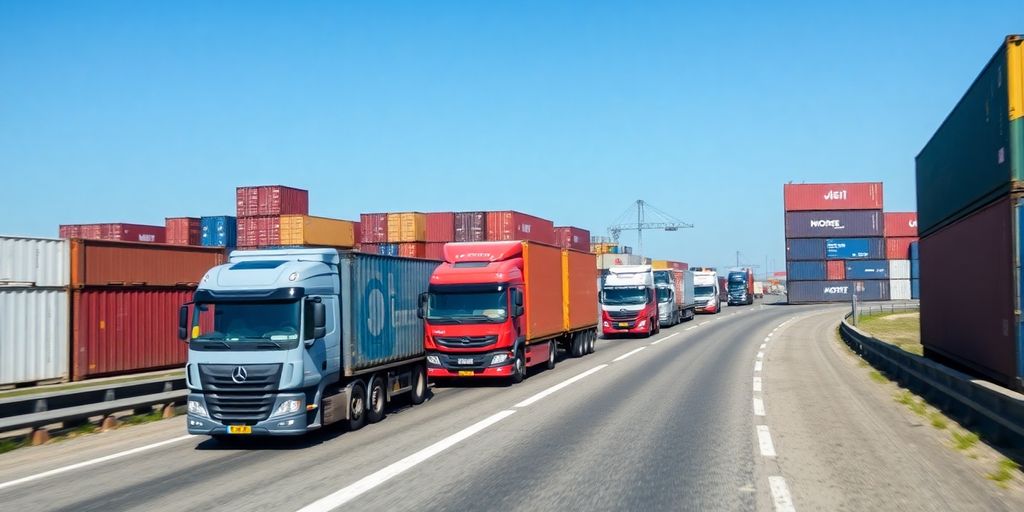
x=39, y=436
x=169, y=411
x=109, y=423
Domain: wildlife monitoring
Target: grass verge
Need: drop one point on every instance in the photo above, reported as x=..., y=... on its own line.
x=1006, y=471
x=901, y=329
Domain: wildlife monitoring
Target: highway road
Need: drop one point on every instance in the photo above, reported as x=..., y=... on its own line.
x=755, y=408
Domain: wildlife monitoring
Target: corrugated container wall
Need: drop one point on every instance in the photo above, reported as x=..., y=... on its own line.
x=440, y=227
x=570, y=237
x=407, y=227
x=835, y=270
x=470, y=226
x=387, y=249
x=798, y=249
x=102, y=263
x=915, y=289
x=806, y=270
x=271, y=200
x=899, y=289
x=915, y=250
x=115, y=231
x=898, y=248
x=511, y=225
x=373, y=228
x=219, y=231
x=33, y=335
x=542, y=272
x=34, y=261
x=412, y=249
x=900, y=224
x=375, y=335
x=262, y=231
x=434, y=251
x=866, y=269
x=800, y=292
x=579, y=296
x=899, y=269
x=183, y=230
x=309, y=230
x=832, y=196
x=829, y=224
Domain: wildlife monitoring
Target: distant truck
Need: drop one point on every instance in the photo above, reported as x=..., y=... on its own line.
x=706, y=291
x=628, y=302
x=494, y=309
x=741, y=287
x=674, y=290
x=286, y=341
x=723, y=290
x=759, y=289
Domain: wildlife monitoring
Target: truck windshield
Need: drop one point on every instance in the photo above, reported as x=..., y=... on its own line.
x=735, y=286
x=625, y=296
x=662, y=278
x=664, y=294
x=703, y=291
x=266, y=324
x=450, y=306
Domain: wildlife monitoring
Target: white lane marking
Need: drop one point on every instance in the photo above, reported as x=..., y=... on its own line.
x=655, y=342
x=758, y=407
x=704, y=322
x=692, y=328
x=760, y=355
x=627, y=354
x=764, y=441
x=763, y=345
x=757, y=384
x=560, y=385
x=767, y=339
x=92, y=462
x=780, y=494
x=757, y=366
x=346, y=494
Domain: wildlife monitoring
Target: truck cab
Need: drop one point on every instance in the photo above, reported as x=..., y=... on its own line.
x=706, y=291
x=741, y=287
x=665, y=291
x=628, y=301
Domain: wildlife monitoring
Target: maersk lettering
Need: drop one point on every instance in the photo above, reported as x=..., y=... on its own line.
x=835, y=195
x=836, y=289
x=826, y=223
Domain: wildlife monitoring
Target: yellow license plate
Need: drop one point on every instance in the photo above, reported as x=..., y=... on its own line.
x=239, y=429
x=465, y=373
x=623, y=324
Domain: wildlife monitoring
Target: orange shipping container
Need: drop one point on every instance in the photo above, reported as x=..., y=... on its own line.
x=542, y=273
x=407, y=227
x=103, y=263
x=579, y=294
x=310, y=230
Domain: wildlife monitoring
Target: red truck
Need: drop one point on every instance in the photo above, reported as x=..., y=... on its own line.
x=494, y=309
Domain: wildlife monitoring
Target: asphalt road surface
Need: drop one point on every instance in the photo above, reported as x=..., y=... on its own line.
x=679, y=421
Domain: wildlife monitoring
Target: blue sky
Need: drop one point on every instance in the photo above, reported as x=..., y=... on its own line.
x=133, y=111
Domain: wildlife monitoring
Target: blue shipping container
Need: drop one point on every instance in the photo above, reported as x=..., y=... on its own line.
x=867, y=269
x=915, y=269
x=388, y=249
x=804, y=249
x=805, y=271
x=914, y=251
x=803, y=292
x=219, y=231
x=915, y=288
x=855, y=248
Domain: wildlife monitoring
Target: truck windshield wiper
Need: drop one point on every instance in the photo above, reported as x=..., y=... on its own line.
x=272, y=342
x=214, y=342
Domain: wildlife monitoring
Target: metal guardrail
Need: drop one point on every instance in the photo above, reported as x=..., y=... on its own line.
x=995, y=413
x=35, y=411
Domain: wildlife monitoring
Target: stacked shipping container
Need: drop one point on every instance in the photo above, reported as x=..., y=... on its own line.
x=260, y=209
x=115, y=231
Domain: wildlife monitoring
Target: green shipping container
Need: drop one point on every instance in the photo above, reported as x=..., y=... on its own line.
x=977, y=154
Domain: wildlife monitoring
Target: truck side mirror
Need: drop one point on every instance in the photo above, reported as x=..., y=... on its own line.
x=319, y=320
x=519, y=298
x=519, y=311
x=421, y=306
x=183, y=323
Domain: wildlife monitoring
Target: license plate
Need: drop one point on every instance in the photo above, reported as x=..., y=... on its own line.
x=465, y=373
x=239, y=429
x=463, y=360
x=623, y=324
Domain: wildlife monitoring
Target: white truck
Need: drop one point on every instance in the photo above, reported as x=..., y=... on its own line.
x=758, y=289
x=674, y=290
x=628, y=304
x=705, y=290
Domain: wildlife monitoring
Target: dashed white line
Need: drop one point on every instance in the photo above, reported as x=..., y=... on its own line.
x=692, y=327
x=757, y=366
x=560, y=385
x=627, y=354
x=764, y=441
x=767, y=339
x=760, y=355
x=655, y=342
x=758, y=407
x=346, y=494
x=763, y=345
x=757, y=384
x=780, y=494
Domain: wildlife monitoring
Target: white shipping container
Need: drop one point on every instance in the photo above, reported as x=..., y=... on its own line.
x=899, y=289
x=26, y=261
x=33, y=334
x=899, y=269
x=612, y=260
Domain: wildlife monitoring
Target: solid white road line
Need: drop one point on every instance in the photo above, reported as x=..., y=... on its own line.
x=560, y=385
x=655, y=342
x=760, y=355
x=780, y=494
x=92, y=462
x=757, y=384
x=346, y=494
x=758, y=407
x=764, y=441
x=757, y=366
x=627, y=354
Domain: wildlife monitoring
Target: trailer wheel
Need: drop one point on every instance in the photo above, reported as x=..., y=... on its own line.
x=418, y=393
x=577, y=345
x=591, y=342
x=553, y=351
x=357, y=406
x=519, y=367
x=377, y=398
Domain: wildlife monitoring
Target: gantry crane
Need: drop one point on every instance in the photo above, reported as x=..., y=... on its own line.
x=643, y=210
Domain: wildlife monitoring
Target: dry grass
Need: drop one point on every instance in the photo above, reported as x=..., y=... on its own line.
x=900, y=329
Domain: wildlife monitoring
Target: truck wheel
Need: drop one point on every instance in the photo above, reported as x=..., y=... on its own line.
x=357, y=407
x=377, y=398
x=551, y=356
x=592, y=343
x=519, y=367
x=577, y=345
x=418, y=393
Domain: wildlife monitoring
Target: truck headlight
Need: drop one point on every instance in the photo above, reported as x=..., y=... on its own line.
x=434, y=360
x=287, y=407
x=196, y=408
x=499, y=358
x=641, y=324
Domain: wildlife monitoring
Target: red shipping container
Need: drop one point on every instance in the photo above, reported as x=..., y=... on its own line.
x=898, y=224
x=183, y=230
x=119, y=331
x=70, y=231
x=412, y=249
x=440, y=227
x=264, y=231
x=434, y=251
x=570, y=237
x=832, y=196
x=115, y=231
x=373, y=228
x=835, y=270
x=113, y=263
x=271, y=200
x=471, y=226
x=898, y=248
x=512, y=225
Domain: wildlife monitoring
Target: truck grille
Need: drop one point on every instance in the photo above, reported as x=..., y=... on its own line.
x=236, y=400
x=466, y=341
x=622, y=315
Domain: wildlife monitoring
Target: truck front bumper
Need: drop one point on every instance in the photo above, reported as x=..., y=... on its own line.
x=630, y=327
x=441, y=365
x=710, y=308
x=291, y=424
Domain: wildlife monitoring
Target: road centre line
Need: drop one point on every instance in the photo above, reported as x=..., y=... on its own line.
x=758, y=407
x=92, y=462
x=757, y=366
x=780, y=494
x=627, y=354
x=560, y=385
x=367, y=483
x=763, y=345
x=692, y=327
x=767, y=339
x=764, y=441
x=757, y=384
x=760, y=355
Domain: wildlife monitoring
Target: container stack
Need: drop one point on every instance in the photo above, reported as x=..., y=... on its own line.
x=900, y=233
x=970, y=194
x=835, y=245
x=470, y=226
x=259, y=213
x=440, y=230
x=512, y=225
x=122, y=231
x=571, y=237
x=408, y=232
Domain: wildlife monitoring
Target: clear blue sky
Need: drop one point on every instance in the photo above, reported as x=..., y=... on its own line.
x=133, y=111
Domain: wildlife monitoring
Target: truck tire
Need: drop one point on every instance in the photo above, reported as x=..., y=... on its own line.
x=592, y=342
x=553, y=348
x=357, y=406
x=577, y=345
x=518, y=367
x=377, y=399
x=418, y=393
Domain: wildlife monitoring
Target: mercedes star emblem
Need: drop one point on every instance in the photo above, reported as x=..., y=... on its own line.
x=239, y=375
